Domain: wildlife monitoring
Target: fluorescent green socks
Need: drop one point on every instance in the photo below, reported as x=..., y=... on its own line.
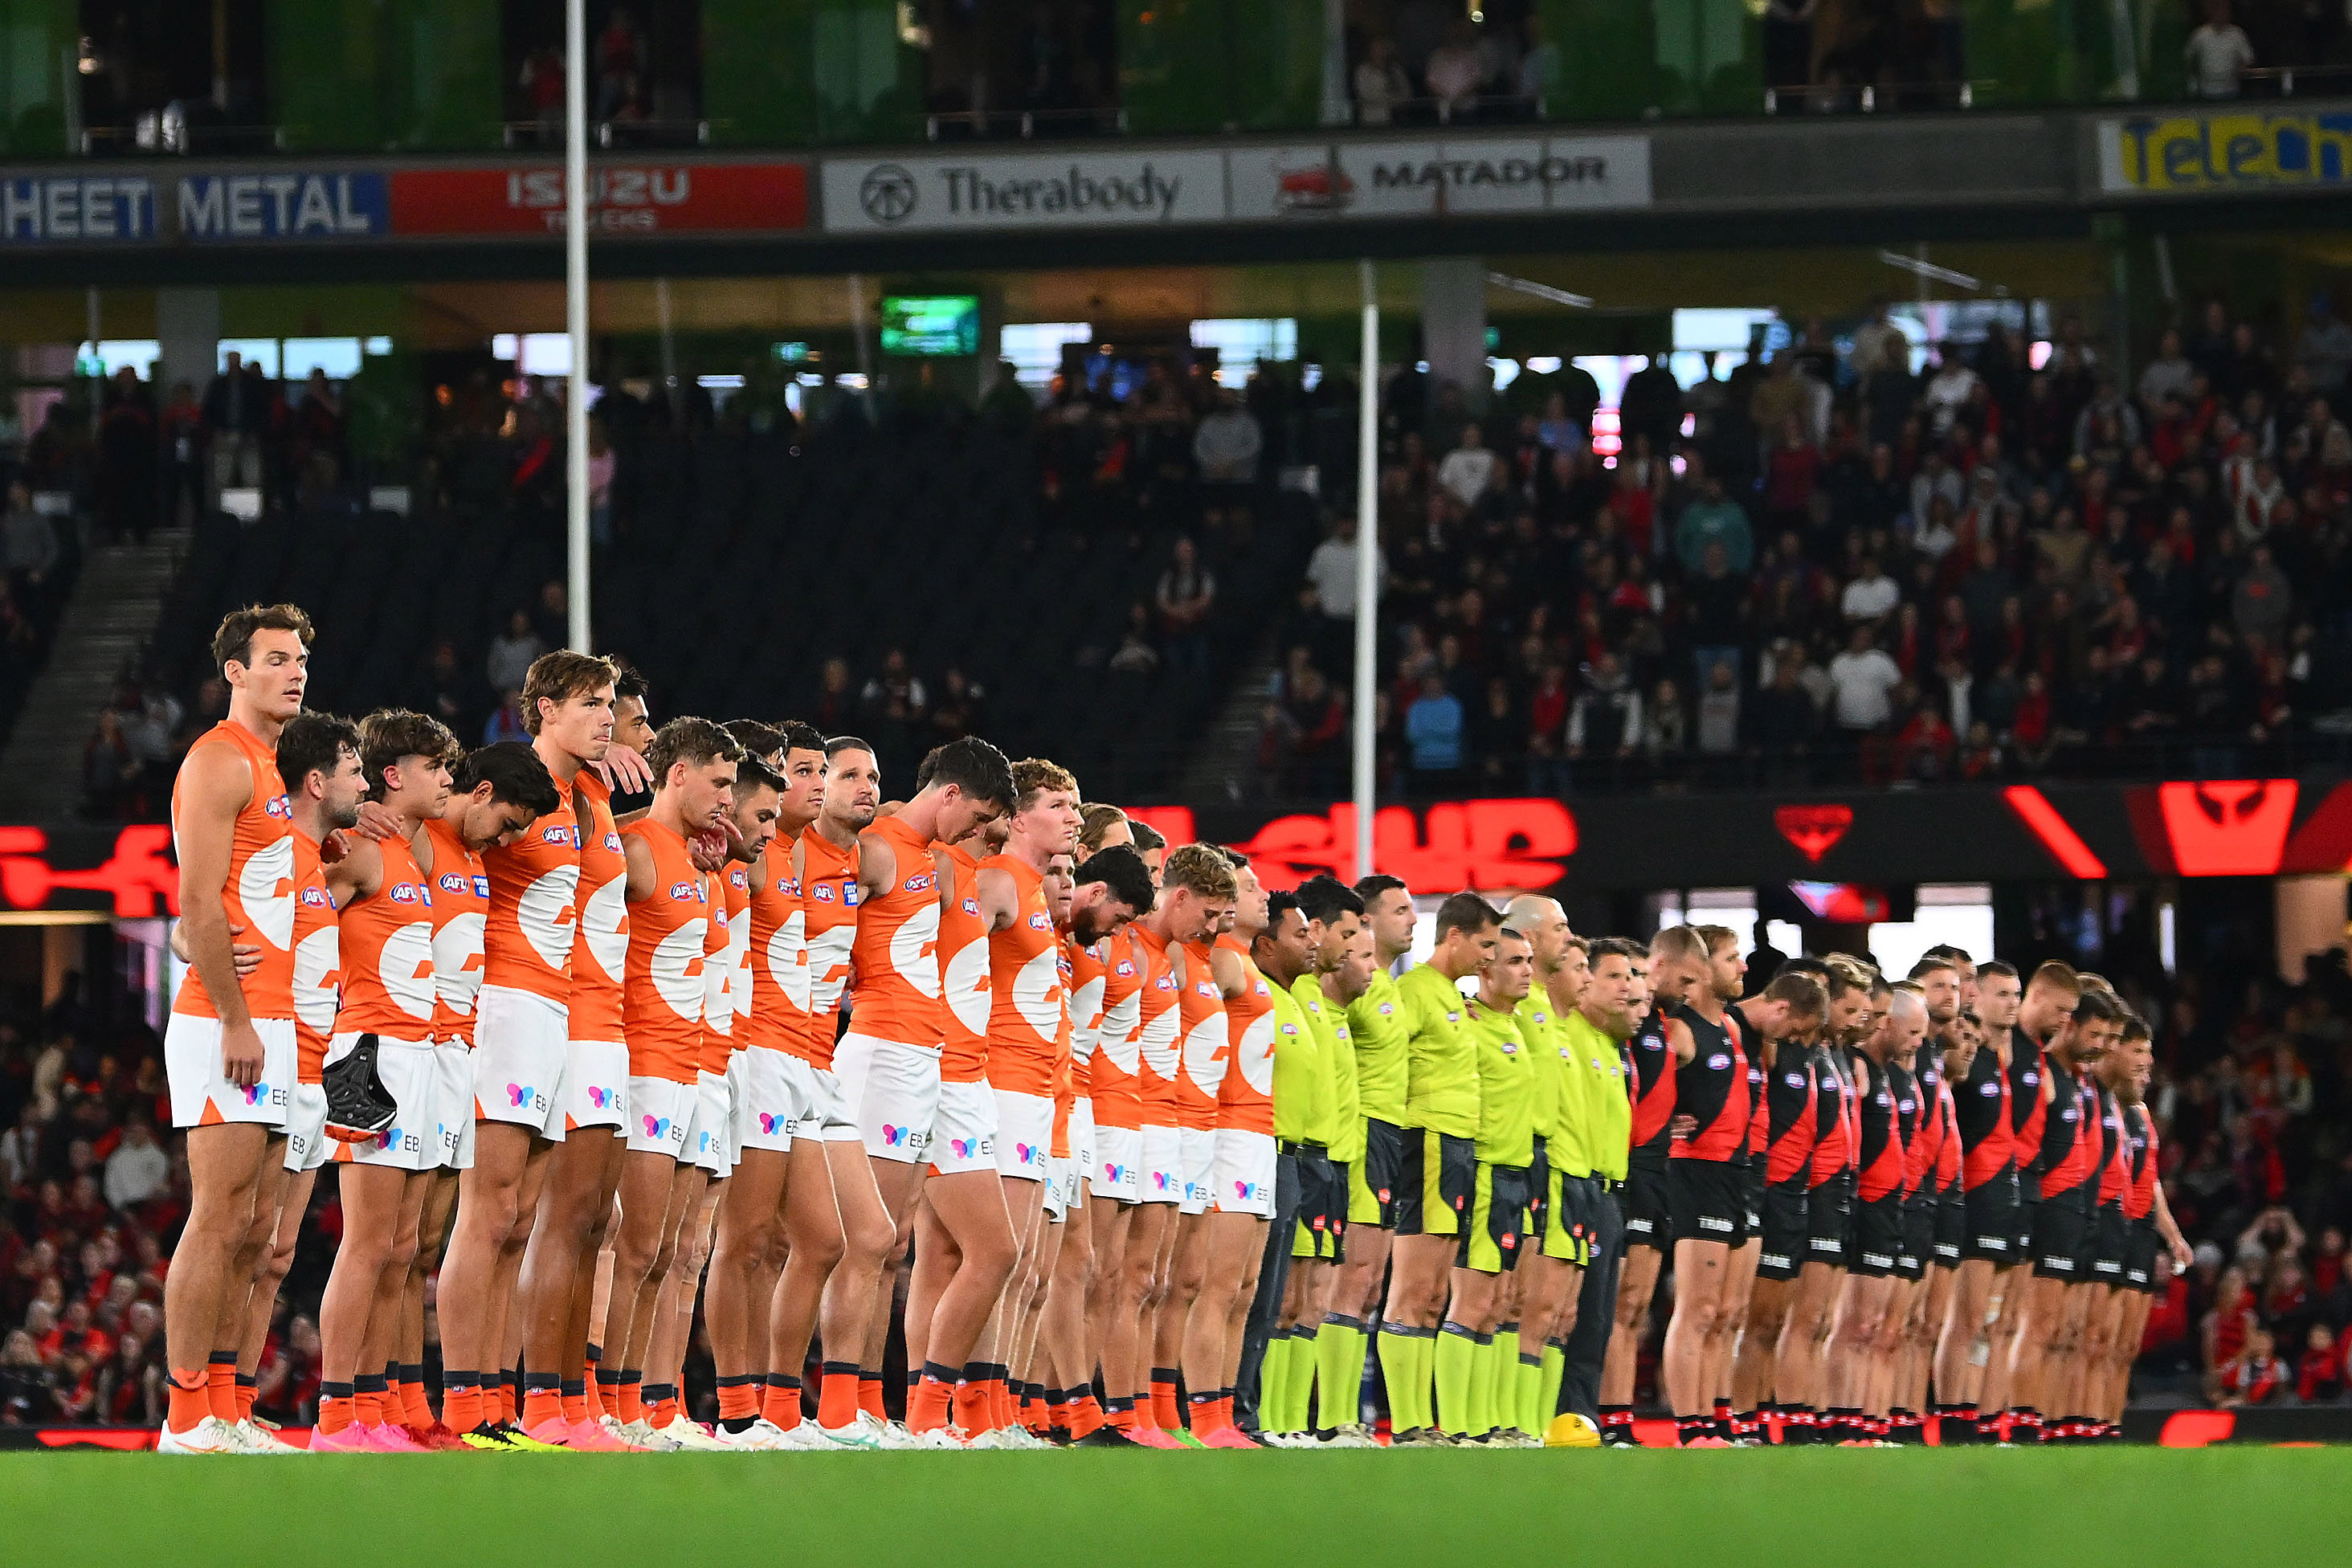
x=1339, y=1372
x=1407, y=1357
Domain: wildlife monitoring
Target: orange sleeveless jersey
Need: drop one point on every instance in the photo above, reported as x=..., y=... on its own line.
x=1206, y=1044
x=663, y=982
x=318, y=962
x=1065, y=1075
x=738, y=880
x=387, y=953
x=967, y=979
x=603, y=950
x=1158, y=1044
x=778, y=955
x=1111, y=1081
x=1245, y=1097
x=717, y=1000
x=830, y=893
x=534, y=882
x=1029, y=1024
x=1085, y=977
x=259, y=891
x=461, y=904
x=897, y=954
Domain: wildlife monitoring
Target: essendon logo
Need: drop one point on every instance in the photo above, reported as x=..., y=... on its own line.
x=139, y=876
x=2232, y=827
x=1813, y=829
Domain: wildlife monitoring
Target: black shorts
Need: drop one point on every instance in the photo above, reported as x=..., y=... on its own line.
x=1784, y=1231
x=1494, y=1232
x=2029, y=1204
x=1918, y=1239
x=1707, y=1200
x=1875, y=1250
x=2140, y=1247
x=1829, y=1220
x=2059, y=1228
x=1991, y=1236
x=1751, y=1189
x=1539, y=1190
x=1951, y=1229
x=1322, y=1198
x=1648, y=1221
x=2109, y=1240
x=1377, y=1176
x=1439, y=1179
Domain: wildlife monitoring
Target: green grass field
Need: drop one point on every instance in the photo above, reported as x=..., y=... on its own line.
x=1817, y=1508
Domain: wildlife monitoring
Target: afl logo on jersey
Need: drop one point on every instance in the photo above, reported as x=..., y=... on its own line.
x=612, y=844
x=1795, y=1080
x=683, y=892
x=1509, y=1047
x=2031, y=1078
x=1203, y=988
x=314, y=896
x=970, y=907
x=789, y=886
x=1164, y=983
x=2069, y=1114
x=1906, y=1107
x=738, y=878
x=1388, y=1009
x=404, y=893
x=922, y=881
x=559, y=837
x=1039, y=922
x=821, y=893
x=1991, y=1090
x=1718, y=1061
x=279, y=808
x=1291, y=1029
x=1880, y=1098
x=1125, y=969
x=454, y=883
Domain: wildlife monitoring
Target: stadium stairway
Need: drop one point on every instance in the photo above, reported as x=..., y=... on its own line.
x=1224, y=765
x=113, y=611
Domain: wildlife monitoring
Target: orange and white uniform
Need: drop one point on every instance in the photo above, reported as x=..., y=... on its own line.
x=830, y=892
x=461, y=905
x=1084, y=977
x=663, y=993
x=386, y=946
x=1158, y=1044
x=1207, y=1042
x=964, y=1129
x=1243, y=1181
x=1114, y=1091
x=521, y=1032
x=890, y=1059
x=711, y=1138
x=595, y=1091
x=259, y=896
x=775, y=987
x=1028, y=1028
x=317, y=980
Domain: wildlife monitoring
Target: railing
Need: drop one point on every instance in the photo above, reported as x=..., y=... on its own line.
x=538, y=134
x=1870, y=98
x=177, y=131
x=1025, y=123
x=2283, y=81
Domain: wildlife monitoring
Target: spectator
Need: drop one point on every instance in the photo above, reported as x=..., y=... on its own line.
x=1665, y=729
x=2264, y=600
x=2168, y=375
x=2217, y=53
x=1539, y=68
x=1381, y=84
x=1871, y=597
x=2325, y=350
x=1863, y=680
x=28, y=546
x=1606, y=721
x=505, y=722
x=1469, y=471
x=1714, y=520
x=236, y=413
x=1187, y=593
x=2320, y=1373
x=1455, y=72
x=1434, y=732
x=1652, y=405
x=1331, y=576
x=2253, y=1375
x=138, y=1168
x=512, y=653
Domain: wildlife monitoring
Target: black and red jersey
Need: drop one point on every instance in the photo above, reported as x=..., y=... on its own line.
x=1980, y=1112
x=1910, y=1120
x=1758, y=1137
x=1788, y=1112
x=2115, y=1149
x=1878, y=1140
x=2069, y=1134
x=2026, y=1110
x=1647, y=1058
x=1946, y=1170
x=1833, y=1127
x=1711, y=1089
x=2139, y=1131
x=1927, y=1139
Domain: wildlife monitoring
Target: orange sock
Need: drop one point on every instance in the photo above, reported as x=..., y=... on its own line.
x=631, y=1399
x=571, y=1399
x=1164, y=1409
x=461, y=1402
x=508, y=1409
x=1003, y=1410
x=367, y=1401
x=1144, y=1414
x=1085, y=1416
x=245, y=1392
x=1122, y=1416
x=336, y=1411
x=928, y=1407
x=739, y=1398
x=191, y=1398
x=1057, y=1415
x=781, y=1403
x=1204, y=1416
x=220, y=1386
x=665, y=1411
x=415, y=1409
x=869, y=1397
x=836, y=1395
x=972, y=1409
x=1224, y=1410
x=541, y=1403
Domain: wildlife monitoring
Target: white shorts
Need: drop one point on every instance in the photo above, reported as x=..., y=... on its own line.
x=595, y=1089
x=306, y=1144
x=963, y=1132
x=520, y=1040
x=202, y=1094
x=707, y=1141
x=413, y=1079
x=892, y=1091
x=1118, y=1169
x=1024, y=1134
x=1082, y=1137
x=660, y=1112
x=1061, y=1188
x=455, y=1062
x=767, y=1098
x=824, y=1114
x=1163, y=1165
x=1245, y=1178
x=1200, y=1146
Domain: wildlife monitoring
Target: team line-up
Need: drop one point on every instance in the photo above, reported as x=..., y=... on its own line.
x=1130, y=1151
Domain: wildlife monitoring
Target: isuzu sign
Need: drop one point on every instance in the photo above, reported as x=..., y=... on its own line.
x=1088, y=189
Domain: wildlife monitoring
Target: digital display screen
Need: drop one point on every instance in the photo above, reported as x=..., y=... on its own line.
x=931, y=324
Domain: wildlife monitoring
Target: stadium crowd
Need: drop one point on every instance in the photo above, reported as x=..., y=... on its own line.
x=1828, y=566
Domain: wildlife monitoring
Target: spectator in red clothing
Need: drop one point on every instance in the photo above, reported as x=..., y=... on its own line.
x=2253, y=1375
x=1792, y=471
x=2232, y=1320
x=2320, y=1375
